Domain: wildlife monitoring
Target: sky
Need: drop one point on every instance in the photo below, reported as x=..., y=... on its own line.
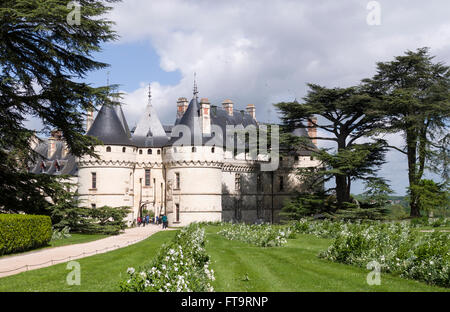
x=263, y=52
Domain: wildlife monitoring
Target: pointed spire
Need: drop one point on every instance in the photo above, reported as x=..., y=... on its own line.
x=195, y=86
x=149, y=95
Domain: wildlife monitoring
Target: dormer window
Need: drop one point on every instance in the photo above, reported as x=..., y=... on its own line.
x=213, y=149
x=57, y=166
x=194, y=149
x=108, y=149
x=124, y=149
x=140, y=152
x=149, y=151
x=158, y=152
x=43, y=168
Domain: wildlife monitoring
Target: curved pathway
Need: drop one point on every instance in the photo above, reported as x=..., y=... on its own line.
x=11, y=265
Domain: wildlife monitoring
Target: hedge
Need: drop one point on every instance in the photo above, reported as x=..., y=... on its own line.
x=23, y=232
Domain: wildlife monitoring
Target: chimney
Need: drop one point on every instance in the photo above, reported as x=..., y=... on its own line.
x=251, y=110
x=89, y=118
x=182, y=106
x=312, y=130
x=65, y=150
x=34, y=141
x=205, y=115
x=51, y=146
x=228, y=106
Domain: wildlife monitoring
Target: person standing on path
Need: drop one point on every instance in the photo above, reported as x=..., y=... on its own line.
x=164, y=221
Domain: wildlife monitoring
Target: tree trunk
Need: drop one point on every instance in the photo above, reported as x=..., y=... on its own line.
x=411, y=140
x=341, y=180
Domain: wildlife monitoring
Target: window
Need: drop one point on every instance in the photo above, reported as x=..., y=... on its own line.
x=94, y=180
x=158, y=152
x=311, y=158
x=140, y=152
x=177, y=180
x=147, y=177
x=213, y=149
x=194, y=149
x=93, y=206
x=177, y=212
x=108, y=149
x=149, y=151
x=296, y=158
x=124, y=149
x=237, y=182
x=281, y=183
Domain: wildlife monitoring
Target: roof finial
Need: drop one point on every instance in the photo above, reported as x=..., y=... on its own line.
x=149, y=94
x=195, y=85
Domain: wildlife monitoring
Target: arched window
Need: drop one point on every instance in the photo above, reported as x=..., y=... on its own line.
x=108, y=149
x=149, y=151
x=140, y=152
x=213, y=149
x=124, y=149
x=158, y=152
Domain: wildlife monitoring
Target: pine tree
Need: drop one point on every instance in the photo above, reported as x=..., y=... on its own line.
x=44, y=58
x=345, y=115
x=414, y=94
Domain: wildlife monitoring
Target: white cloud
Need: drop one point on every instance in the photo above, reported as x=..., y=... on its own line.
x=261, y=52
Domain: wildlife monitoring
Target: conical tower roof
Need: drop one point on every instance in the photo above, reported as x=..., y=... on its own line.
x=190, y=119
x=108, y=128
x=149, y=131
x=123, y=121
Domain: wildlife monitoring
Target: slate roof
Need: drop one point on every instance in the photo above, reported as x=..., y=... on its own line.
x=191, y=120
x=67, y=164
x=149, y=131
x=123, y=121
x=108, y=128
x=219, y=117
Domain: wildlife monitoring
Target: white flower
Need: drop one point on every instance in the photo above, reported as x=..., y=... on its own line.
x=130, y=270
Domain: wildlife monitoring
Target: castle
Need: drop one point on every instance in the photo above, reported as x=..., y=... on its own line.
x=183, y=170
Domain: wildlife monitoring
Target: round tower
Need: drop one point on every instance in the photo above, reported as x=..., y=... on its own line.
x=108, y=180
x=193, y=169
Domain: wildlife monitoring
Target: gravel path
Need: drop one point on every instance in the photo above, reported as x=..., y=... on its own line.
x=11, y=265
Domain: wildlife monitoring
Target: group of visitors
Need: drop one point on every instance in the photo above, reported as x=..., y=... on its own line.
x=143, y=221
x=162, y=219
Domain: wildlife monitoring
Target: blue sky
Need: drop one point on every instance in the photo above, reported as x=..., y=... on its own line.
x=130, y=65
x=262, y=52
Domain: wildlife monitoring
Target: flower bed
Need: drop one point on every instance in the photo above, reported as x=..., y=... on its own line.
x=262, y=235
x=397, y=247
x=180, y=266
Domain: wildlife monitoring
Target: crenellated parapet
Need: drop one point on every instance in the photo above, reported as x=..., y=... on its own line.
x=99, y=163
x=194, y=164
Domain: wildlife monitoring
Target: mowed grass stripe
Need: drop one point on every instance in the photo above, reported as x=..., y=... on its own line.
x=294, y=267
x=98, y=273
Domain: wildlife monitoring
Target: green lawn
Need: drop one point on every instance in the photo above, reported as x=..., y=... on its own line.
x=77, y=239
x=98, y=273
x=74, y=239
x=294, y=267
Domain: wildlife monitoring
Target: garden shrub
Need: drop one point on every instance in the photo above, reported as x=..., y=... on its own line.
x=23, y=232
x=180, y=266
x=397, y=247
x=262, y=235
